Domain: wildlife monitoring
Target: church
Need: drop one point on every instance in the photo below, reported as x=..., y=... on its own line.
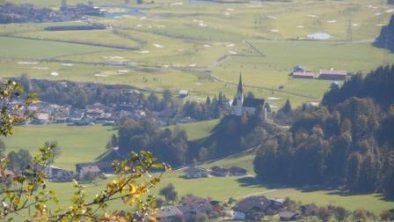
x=241, y=105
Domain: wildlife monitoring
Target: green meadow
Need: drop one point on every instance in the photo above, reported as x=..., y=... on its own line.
x=77, y=144
x=203, y=47
x=84, y=144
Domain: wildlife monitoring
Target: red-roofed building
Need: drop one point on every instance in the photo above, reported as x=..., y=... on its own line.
x=332, y=74
x=304, y=75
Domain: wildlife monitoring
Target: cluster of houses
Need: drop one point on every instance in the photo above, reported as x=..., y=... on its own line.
x=83, y=171
x=194, y=172
x=253, y=208
x=48, y=113
x=325, y=74
x=12, y=13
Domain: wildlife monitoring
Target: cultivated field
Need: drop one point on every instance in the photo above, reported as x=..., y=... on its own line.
x=203, y=47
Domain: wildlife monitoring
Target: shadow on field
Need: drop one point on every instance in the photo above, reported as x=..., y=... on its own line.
x=250, y=181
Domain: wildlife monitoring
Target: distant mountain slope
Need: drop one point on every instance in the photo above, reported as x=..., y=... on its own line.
x=386, y=37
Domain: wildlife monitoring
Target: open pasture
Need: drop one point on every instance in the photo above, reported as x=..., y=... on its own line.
x=77, y=144
x=41, y=49
x=223, y=188
x=203, y=46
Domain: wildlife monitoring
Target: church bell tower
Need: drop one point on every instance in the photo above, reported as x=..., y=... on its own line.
x=239, y=99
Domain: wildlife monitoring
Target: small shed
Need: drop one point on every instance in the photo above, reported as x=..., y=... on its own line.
x=195, y=172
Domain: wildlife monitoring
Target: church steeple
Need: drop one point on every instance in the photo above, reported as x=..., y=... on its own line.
x=240, y=85
x=238, y=99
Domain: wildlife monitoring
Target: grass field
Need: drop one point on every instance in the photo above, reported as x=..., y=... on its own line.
x=240, y=187
x=201, y=47
x=38, y=49
x=197, y=130
x=77, y=144
x=184, y=45
x=84, y=144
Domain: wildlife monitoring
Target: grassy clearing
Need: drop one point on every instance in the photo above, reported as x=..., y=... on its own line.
x=197, y=130
x=78, y=144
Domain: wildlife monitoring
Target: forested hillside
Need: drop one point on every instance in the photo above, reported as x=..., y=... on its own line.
x=378, y=85
x=347, y=142
x=386, y=37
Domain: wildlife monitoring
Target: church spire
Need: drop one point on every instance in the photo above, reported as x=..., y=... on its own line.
x=240, y=85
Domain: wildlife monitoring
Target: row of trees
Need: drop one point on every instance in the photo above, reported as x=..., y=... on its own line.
x=348, y=142
x=212, y=108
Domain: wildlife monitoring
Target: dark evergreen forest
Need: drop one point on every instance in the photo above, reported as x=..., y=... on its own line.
x=347, y=142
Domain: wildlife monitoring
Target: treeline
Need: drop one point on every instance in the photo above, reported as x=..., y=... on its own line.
x=378, y=85
x=386, y=37
x=213, y=108
x=346, y=143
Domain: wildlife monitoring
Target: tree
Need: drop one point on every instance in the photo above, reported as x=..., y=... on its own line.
x=169, y=193
x=340, y=213
x=324, y=214
x=18, y=161
x=286, y=108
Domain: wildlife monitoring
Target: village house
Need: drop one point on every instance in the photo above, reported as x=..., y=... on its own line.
x=169, y=214
x=241, y=105
x=309, y=210
x=304, y=75
x=237, y=171
x=57, y=174
x=300, y=72
x=288, y=216
x=87, y=171
x=193, y=172
x=332, y=74
x=219, y=171
x=192, y=206
x=252, y=207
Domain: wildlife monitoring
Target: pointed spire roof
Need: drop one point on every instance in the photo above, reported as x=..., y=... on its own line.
x=240, y=85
